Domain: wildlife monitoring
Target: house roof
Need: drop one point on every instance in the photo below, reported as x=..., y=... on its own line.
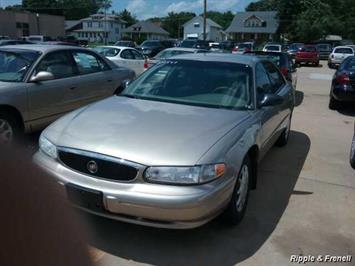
x=103, y=17
x=269, y=17
x=146, y=27
x=209, y=22
x=69, y=24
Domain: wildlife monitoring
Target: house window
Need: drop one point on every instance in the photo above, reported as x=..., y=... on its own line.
x=111, y=25
x=100, y=25
x=197, y=25
x=89, y=24
x=117, y=30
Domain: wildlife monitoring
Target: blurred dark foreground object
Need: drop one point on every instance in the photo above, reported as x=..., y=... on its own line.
x=37, y=226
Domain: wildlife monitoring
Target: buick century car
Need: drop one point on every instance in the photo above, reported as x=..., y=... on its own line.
x=180, y=146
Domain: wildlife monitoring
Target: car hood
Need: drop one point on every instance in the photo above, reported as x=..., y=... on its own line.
x=146, y=132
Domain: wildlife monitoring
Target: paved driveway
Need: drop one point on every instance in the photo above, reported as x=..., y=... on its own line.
x=304, y=204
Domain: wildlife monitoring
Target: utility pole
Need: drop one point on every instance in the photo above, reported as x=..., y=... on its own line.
x=204, y=20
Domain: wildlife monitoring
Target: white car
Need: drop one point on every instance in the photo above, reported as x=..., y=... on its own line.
x=272, y=48
x=338, y=55
x=125, y=57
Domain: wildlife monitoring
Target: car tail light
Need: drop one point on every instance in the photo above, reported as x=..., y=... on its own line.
x=146, y=65
x=343, y=79
x=284, y=71
x=235, y=49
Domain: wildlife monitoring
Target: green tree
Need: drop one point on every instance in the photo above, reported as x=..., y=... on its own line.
x=223, y=19
x=128, y=17
x=174, y=21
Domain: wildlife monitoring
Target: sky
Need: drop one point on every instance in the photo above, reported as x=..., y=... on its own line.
x=143, y=9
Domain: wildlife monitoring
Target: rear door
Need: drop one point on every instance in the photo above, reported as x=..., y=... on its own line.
x=96, y=80
x=139, y=59
x=128, y=60
x=49, y=99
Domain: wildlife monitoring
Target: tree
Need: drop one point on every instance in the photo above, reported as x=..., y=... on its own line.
x=223, y=19
x=173, y=22
x=128, y=17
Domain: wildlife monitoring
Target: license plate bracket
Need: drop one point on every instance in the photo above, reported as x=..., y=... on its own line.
x=86, y=198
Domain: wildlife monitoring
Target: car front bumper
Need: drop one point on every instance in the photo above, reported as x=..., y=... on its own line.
x=138, y=202
x=344, y=93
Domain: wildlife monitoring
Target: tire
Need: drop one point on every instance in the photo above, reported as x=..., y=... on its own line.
x=333, y=103
x=284, y=137
x=352, y=154
x=317, y=64
x=9, y=128
x=239, y=201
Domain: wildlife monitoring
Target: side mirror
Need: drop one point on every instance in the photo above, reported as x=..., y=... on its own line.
x=42, y=76
x=271, y=100
x=123, y=86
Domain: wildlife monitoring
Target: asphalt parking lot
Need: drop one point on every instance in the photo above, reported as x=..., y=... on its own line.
x=304, y=204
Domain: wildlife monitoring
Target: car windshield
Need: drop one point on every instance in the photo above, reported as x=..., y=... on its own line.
x=15, y=64
x=324, y=47
x=107, y=51
x=344, y=51
x=273, y=48
x=308, y=49
x=350, y=64
x=150, y=44
x=277, y=59
x=295, y=46
x=171, y=53
x=208, y=84
x=188, y=44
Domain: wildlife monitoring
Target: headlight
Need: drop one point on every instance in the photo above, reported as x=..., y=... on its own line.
x=185, y=175
x=48, y=147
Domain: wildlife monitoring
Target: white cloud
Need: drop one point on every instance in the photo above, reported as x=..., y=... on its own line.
x=143, y=10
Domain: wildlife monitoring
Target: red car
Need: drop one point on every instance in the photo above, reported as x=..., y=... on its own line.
x=307, y=54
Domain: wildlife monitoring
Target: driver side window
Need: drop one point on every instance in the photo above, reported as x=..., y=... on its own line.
x=60, y=64
x=263, y=85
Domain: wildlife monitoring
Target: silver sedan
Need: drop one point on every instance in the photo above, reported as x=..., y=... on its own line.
x=178, y=147
x=39, y=83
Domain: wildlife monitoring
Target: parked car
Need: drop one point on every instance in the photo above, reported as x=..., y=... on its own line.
x=185, y=139
x=324, y=50
x=2, y=37
x=307, y=54
x=293, y=49
x=131, y=44
x=13, y=42
x=124, y=56
x=59, y=43
x=273, y=48
x=343, y=84
x=243, y=47
x=338, y=55
x=39, y=83
x=352, y=152
x=197, y=44
x=283, y=61
x=228, y=45
x=152, y=48
x=214, y=46
x=170, y=52
x=38, y=38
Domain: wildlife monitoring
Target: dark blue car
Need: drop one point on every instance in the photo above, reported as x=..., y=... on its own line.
x=343, y=84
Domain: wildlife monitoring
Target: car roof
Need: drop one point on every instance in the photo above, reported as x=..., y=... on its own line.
x=226, y=58
x=43, y=48
x=266, y=53
x=344, y=46
x=116, y=46
x=182, y=49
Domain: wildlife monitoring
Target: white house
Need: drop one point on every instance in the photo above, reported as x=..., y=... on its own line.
x=193, y=29
x=97, y=27
x=145, y=30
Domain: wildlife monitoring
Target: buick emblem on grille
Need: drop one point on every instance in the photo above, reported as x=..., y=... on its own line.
x=92, y=167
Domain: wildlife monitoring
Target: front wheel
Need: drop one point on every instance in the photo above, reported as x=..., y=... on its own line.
x=9, y=128
x=333, y=103
x=238, y=204
x=352, y=154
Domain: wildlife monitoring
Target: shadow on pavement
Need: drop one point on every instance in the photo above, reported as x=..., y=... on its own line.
x=214, y=243
x=299, y=96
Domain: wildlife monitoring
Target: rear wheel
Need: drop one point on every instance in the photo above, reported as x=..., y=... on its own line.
x=352, y=154
x=238, y=204
x=333, y=103
x=9, y=128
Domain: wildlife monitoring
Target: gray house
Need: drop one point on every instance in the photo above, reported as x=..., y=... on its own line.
x=97, y=28
x=259, y=26
x=193, y=29
x=145, y=30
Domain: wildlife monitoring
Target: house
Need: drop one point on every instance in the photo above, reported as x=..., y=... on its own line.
x=145, y=30
x=17, y=24
x=193, y=29
x=97, y=28
x=259, y=26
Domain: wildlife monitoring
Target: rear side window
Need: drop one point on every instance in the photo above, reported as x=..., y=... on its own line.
x=88, y=63
x=60, y=64
x=344, y=51
x=137, y=55
x=350, y=64
x=308, y=49
x=276, y=78
x=126, y=54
